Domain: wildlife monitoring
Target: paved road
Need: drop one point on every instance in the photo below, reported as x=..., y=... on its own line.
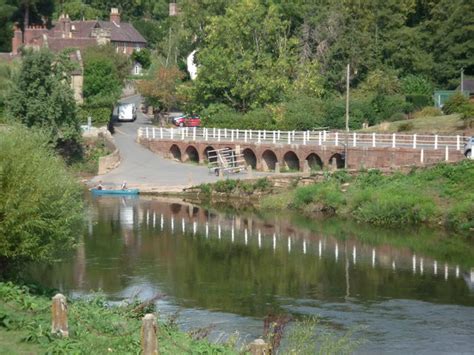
x=146, y=170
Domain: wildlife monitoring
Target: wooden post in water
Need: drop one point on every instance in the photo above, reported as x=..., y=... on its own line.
x=259, y=347
x=149, y=339
x=59, y=316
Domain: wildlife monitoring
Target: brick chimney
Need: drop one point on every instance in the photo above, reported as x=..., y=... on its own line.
x=17, y=39
x=115, y=15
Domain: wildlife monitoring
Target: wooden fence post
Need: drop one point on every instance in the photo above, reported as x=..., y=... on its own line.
x=149, y=340
x=59, y=316
x=259, y=347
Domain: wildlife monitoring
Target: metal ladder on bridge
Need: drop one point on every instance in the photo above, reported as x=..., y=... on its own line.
x=225, y=160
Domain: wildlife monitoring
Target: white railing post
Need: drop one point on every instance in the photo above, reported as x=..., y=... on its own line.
x=153, y=132
x=231, y=135
x=289, y=137
x=214, y=132
x=182, y=133
x=354, y=139
x=146, y=132
x=421, y=156
x=307, y=135
x=245, y=136
x=171, y=133
x=324, y=135
x=446, y=153
x=278, y=135
x=436, y=142
x=161, y=132
x=414, y=141
x=264, y=134
x=336, y=138
x=237, y=134
x=458, y=143
x=219, y=135
x=194, y=133
x=304, y=138
x=207, y=133
x=225, y=133
x=373, y=139
x=319, y=137
x=394, y=144
x=294, y=134
x=186, y=132
x=274, y=137
x=258, y=137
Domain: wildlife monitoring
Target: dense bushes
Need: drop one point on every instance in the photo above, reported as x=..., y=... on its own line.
x=40, y=204
x=440, y=194
x=306, y=113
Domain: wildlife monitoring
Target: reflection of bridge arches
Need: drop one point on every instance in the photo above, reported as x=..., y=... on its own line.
x=207, y=150
x=175, y=208
x=291, y=161
x=336, y=160
x=269, y=160
x=191, y=154
x=175, y=152
x=250, y=158
x=314, y=161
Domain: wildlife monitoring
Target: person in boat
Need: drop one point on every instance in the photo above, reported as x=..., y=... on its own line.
x=99, y=186
x=124, y=185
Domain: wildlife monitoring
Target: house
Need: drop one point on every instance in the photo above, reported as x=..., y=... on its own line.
x=79, y=35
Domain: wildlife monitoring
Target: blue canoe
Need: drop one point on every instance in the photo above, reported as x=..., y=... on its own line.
x=115, y=192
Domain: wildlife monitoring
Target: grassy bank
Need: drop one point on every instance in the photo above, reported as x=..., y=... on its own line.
x=94, y=328
x=440, y=195
x=447, y=124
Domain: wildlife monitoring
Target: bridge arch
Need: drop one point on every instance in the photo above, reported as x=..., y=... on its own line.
x=206, y=151
x=337, y=161
x=191, y=154
x=269, y=160
x=250, y=158
x=314, y=161
x=291, y=161
x=175, y=152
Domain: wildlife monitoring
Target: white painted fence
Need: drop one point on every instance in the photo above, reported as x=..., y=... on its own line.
x=329, y=138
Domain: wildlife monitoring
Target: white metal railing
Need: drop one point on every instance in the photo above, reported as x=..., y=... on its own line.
x=328, y=138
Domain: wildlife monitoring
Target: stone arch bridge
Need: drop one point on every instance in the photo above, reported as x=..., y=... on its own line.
x=303, y=150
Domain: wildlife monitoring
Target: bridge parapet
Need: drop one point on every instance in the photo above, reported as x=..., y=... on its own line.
x=290, y=149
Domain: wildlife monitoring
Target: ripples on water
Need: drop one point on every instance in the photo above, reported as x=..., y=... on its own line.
x=411, y=291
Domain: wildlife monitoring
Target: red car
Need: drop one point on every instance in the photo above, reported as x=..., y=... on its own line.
x=187, y=121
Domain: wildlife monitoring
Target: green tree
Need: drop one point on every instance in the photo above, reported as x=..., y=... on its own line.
x=42, y=97
x=40, y=203
x=104, y=74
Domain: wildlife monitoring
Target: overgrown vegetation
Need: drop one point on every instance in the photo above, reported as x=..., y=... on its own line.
x=88, y=164
x=94, y=326
x=40, y=203
x=236, y=187
x=441, y=194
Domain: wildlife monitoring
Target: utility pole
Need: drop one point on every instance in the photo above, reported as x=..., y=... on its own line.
x=346, y=138
x=462, y=81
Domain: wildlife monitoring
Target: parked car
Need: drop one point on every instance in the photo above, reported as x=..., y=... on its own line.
x=468, y=148
x=187, y=121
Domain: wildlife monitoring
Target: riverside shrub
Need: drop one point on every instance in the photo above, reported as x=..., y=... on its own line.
x=40, y=203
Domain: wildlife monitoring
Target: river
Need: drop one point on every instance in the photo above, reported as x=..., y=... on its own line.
x=405, y=291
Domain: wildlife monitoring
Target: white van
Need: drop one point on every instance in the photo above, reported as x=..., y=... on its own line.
x=126, y=112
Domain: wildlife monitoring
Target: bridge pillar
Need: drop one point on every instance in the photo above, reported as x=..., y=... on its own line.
x=277, y=167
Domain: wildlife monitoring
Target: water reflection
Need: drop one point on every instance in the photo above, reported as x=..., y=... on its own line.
x=248, y=265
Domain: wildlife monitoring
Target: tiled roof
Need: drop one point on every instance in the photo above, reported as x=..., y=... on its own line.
x=122, y=32
x=58, y=44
